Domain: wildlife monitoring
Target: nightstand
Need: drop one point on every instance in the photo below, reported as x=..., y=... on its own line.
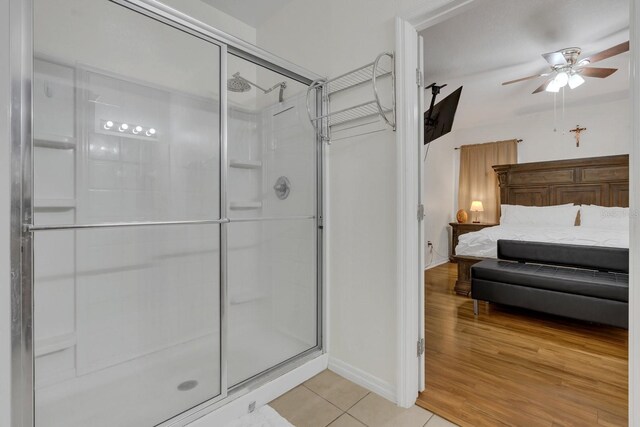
x=458, y=229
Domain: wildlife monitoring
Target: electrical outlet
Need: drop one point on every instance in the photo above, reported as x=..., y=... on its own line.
x=429, y=244
x=252, y=406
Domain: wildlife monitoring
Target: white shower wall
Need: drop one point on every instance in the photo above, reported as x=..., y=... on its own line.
x=290, y=152
x=118, y=180
x=272, y=272
x=247, y=295
x=244, y=188
x=117, y=301
x=113, y=305
x=54, y=203
x=92, y=307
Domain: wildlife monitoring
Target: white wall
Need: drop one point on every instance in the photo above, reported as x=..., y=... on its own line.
x=215, y=18
x=5, y=179
x=608, y=133
x=440, y=179
x=331, y=38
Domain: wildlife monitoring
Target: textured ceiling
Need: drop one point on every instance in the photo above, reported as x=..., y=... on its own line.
x=500, y=40
x=252, y=12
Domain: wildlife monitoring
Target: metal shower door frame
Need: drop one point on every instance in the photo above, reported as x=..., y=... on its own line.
x=21, y=253
x=22, y=228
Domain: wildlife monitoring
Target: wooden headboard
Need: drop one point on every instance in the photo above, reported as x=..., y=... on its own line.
x=600, y=181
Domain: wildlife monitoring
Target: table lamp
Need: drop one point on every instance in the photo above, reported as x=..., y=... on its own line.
x=476, y=206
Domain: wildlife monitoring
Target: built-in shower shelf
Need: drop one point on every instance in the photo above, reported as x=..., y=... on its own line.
x=245, y=205
x=46, y=346
x=245, y=164
x=54, y=141
x=54, y=203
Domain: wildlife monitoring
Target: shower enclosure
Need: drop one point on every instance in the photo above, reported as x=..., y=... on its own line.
x=171, y=218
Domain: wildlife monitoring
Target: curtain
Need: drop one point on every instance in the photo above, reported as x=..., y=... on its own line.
x=478, y=181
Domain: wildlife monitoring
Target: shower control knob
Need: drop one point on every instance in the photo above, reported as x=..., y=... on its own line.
x=282, y=187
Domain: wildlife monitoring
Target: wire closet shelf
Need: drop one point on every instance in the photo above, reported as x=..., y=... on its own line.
x=354, y=116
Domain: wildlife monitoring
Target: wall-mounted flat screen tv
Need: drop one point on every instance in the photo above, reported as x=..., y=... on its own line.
x=438, y=120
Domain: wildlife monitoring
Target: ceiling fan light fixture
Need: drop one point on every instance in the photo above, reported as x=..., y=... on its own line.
x=575, y=80
x=566, y=63
x=561, y=79
x=552, y=87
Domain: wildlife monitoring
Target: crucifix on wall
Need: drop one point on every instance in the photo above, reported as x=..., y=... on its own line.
x=578, y=130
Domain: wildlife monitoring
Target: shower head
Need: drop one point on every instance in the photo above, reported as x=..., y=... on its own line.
x=282, y=86
x=238, y=84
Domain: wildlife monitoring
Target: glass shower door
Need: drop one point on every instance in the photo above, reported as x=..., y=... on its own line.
x=272, y=234
x=127, y=238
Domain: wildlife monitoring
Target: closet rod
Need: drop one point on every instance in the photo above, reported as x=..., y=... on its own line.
x=517, y=140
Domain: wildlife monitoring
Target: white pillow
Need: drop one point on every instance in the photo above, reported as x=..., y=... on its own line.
x=593, y=216
x=560, y=215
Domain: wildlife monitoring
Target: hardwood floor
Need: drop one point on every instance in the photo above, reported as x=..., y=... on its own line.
x=518, y=368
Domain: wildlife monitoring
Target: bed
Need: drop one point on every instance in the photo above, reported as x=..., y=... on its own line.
x=602, y=181
x=484, y=243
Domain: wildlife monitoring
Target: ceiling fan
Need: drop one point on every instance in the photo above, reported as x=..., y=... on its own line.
x=567, y=69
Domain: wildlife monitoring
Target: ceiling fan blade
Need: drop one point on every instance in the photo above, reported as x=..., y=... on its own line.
x=542, y=87
x=597, y=72
x=555, y=58
x=526, y=78
x=607, y=53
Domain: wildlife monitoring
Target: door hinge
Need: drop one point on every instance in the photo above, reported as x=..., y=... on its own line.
x=420, y=212
x=419, y=81
x=420, y=347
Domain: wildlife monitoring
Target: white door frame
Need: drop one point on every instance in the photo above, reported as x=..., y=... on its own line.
x=410, y=277
x=409, y=262
x=634, y=202
x=410, y=243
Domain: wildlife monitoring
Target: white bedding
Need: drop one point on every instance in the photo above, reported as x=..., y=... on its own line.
x=483, y=243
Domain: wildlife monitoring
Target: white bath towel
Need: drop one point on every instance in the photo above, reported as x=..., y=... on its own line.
x=265, y=416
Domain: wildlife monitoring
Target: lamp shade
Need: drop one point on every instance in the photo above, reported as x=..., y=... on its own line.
x=553, y=87
x=561, y=79
x=575, y=80
x=476, y=206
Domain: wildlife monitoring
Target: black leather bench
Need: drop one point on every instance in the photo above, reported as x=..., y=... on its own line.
x=582, y=282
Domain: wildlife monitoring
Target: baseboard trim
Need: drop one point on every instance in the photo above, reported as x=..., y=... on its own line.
x=363, y=379
x=435, y=264
x=263, y=395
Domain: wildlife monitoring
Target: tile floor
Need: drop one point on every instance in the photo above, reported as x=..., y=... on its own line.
x=331, y=400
